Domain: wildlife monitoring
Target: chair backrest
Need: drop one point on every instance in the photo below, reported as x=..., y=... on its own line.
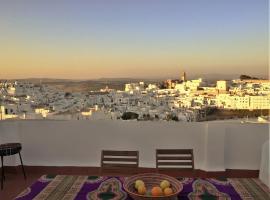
x=174, y=159
x=119, y=159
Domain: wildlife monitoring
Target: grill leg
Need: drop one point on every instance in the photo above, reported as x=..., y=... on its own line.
x=2, y=176
x=22, y=165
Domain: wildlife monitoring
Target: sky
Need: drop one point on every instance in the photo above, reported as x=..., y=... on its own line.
x=89, y=39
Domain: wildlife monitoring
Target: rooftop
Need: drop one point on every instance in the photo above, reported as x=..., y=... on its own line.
x=228, y=149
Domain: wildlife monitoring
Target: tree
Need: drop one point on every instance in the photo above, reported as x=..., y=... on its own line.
x=130, y=115
x=242, y=77
x=175, y=118
x=172, y=117
x=211, y=110
x=67, y=94
x=146, y=117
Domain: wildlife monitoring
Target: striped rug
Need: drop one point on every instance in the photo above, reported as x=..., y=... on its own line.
x=62, y=187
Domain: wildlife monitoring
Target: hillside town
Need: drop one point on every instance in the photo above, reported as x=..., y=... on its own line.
x=176, y=100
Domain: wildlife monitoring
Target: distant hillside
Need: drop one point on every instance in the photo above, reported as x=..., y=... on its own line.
x=210, y=77
x=86, y=86
x=90, y=85
x=75, y=85
x=43, y=80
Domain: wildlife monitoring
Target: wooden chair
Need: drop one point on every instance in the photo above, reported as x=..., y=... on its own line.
x=119, y=161
x=174, y=160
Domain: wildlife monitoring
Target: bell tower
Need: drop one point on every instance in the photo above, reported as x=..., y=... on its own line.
x=183, y=77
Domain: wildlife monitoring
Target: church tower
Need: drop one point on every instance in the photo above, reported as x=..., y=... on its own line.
x=183, y=77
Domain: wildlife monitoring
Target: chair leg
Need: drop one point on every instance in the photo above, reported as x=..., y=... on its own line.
x=2, y=176
x=22, y=166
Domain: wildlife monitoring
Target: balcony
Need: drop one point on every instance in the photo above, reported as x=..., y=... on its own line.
x=229, y=149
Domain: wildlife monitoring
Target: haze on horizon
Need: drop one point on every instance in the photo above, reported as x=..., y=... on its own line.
x=123, y=38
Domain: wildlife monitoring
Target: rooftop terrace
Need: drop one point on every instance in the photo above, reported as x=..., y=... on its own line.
x=230, y=149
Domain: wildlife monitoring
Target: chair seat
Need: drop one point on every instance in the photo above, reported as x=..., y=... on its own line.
x=10, y=149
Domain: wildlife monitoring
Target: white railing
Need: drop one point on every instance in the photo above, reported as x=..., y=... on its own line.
x=217, y=145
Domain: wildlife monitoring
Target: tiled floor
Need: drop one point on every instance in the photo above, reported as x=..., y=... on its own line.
x=15, y=183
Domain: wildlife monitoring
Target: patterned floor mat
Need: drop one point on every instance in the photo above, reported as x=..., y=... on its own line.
x=58, y=187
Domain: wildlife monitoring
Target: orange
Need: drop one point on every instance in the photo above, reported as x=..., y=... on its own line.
x=156, y=191
x=141, y=189
x=168, y=191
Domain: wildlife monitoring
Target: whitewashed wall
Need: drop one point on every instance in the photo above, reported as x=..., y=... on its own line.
x=265, y=167
x=217, y=145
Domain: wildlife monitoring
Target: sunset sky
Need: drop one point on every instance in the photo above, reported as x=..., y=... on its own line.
x=84, y=39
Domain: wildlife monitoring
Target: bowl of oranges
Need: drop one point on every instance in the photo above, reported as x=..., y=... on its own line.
x=152, y=186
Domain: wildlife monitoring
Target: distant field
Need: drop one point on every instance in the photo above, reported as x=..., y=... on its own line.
x=86, y=86
x=91, y=85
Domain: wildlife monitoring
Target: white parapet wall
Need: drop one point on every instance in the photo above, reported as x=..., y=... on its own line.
x=217, y=145
x=265, y=167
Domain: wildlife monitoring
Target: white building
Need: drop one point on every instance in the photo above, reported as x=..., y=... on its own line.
x=134, y=86
x=191, y=85
x=8, y=112
x=222, y=85
x=43, y=111
x=260, y=102
x=228, y=101
x=152, y=87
